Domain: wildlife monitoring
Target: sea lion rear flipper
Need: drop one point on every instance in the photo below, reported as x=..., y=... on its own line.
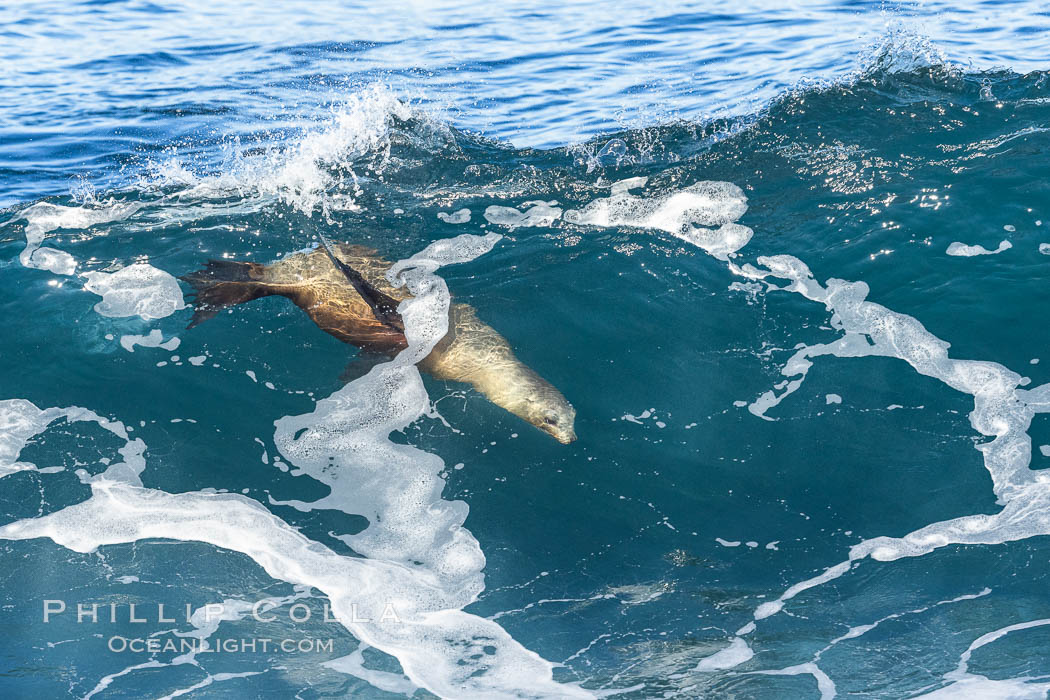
x=383, y=306
x=224, y=283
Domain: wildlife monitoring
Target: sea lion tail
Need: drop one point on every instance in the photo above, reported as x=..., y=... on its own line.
x=224, y=283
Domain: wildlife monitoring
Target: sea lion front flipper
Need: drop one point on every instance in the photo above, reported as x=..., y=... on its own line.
x=383, y=306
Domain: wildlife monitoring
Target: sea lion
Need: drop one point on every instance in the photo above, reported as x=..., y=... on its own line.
x=344, y=290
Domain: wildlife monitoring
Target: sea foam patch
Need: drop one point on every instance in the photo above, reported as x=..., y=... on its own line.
x=44, y=217
x=136, y=290
x=537, y=213
x=461, y=216
x=688, y=213
x=21, y=420
x=155, y=339
x=962, y=683
x=968, y=251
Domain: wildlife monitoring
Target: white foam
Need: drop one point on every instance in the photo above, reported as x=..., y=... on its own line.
x=981, y=688
x=961, y=249
x=832, y=398
x=1002, y=409
x=825, y=686
x=535, y=214
x=44, y=217
x=824, y=683
x=354, y=665
x=209, y=680
x=20, y=420
x=705, y=203
x=733, y=655
x=457, y=217
x=155, y=339
x=966, y=685
x=683, y=213
x=773, y=607
x=107, y=680
x=721, y=243
x=1044, y=248
x=136, y=290
x=52, y=260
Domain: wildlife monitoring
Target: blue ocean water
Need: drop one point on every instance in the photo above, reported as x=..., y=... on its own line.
x=785, y=262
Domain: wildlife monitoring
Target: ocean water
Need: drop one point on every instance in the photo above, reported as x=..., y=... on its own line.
x=787, y=264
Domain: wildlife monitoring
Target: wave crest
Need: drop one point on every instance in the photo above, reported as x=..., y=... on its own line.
x=319, y=170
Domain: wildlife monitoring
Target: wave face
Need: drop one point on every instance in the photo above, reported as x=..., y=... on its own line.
x=804, y=340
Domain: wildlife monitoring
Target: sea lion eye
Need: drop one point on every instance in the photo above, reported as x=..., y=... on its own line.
x=551, y=420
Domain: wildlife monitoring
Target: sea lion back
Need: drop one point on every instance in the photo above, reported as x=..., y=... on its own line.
x=314, y=284
x=322, y=291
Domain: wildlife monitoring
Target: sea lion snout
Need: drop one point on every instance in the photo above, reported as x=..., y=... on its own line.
x=566, y=437
x=557, y=418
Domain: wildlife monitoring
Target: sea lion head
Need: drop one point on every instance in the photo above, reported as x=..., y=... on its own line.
x=544, y=406
x=473, y=352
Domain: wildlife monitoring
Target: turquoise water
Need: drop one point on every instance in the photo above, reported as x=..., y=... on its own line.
x=811, y=442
